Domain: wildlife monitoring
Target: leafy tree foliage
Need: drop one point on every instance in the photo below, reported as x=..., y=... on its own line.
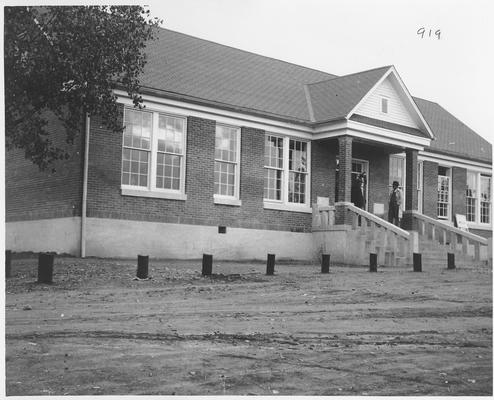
x=67, y=61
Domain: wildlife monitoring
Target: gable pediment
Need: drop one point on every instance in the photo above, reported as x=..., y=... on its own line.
x=390, y=102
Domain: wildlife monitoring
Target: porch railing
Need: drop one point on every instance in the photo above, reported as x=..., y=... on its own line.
x=379, y=235
x=448, y=235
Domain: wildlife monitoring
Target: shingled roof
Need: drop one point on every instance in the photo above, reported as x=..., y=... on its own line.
x=335, y=98
x=453, y=137
x=193, y=69
x=203, y=70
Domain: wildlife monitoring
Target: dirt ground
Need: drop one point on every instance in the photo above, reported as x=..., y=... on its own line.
x=96, y=331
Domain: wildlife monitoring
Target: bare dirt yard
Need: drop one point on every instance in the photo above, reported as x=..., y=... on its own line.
x=96, y=331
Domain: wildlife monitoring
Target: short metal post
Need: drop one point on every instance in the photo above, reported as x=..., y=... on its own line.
x=373, y=262
x=207, y=264
x=45, y=267
x=142, y=267
x=417, y=262
x=325, y=264
x=270, y=264
x=8, y=263
x=451, y=261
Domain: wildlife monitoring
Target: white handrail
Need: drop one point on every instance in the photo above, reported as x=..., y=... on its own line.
x=374, y=218
x=468, y=235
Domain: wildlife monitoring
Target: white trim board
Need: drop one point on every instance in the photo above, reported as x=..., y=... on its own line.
x=450, y=161
x=271, y=126
x=222, y=116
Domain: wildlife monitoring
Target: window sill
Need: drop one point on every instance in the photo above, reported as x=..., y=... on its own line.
x=155, y=194
x=288, y=207
x=228, y=201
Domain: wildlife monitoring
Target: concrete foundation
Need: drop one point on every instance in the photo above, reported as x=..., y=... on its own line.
x=126, y=239
x=61, y=235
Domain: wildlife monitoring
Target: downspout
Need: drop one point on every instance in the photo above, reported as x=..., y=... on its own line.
x=84, y=189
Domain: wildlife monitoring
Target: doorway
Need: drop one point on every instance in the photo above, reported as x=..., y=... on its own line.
x=360, y=171
x=360, y=168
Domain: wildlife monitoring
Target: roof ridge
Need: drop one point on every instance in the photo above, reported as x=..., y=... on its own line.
x=249, y=52
x=353, y=73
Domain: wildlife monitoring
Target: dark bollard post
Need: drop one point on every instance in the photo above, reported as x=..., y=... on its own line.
x=451, y=261
x=325, y=264
x=142, y=267
x=373, y=262
x=270, y=264
x=45, y=267
x=8, y=263
x=207, y=264
x=417, y=262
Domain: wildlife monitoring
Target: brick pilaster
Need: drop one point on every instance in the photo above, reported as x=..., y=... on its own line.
x=345, y=175
x=411, y=194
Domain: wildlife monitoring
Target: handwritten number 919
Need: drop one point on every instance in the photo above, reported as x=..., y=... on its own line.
x=423, y=32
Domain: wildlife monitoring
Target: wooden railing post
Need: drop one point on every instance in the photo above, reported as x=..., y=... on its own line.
x=454, y=241
x=464, y=245
x=477, y=251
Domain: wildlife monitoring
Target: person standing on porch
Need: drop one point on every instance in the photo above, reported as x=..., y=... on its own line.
x=394, y=204
x=357, y=198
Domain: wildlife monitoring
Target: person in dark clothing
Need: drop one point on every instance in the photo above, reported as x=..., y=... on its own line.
x=357, y=197
x=394, y=204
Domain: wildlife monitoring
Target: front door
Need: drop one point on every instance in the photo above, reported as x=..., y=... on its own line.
x=360, y=171
x=360, y=168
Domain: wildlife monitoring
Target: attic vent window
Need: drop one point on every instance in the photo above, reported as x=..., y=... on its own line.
x=384, y=105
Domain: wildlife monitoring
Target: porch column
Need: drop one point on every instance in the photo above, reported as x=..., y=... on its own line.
x=411, y=193
x=344, y=177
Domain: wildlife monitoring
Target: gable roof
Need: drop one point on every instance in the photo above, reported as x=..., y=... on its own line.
x=453, y=137
x=185, y=67
x=335, y=98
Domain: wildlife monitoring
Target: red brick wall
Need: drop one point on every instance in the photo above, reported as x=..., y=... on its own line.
x=31, y=194
x=105, y=200
x=324, y=169
x=481, y=232
x=430, y=189
x=459, y=182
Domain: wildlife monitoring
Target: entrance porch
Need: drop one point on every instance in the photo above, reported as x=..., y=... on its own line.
x=351, y=233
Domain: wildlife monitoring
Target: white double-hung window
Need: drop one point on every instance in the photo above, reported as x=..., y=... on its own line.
x=444, y=193
x=485, y=199
x=153, y=155
x=478, y=198
x=227, y=165
x=286, y=173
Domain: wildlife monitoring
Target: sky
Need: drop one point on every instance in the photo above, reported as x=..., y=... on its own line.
x=340, y=37
x=455, y=69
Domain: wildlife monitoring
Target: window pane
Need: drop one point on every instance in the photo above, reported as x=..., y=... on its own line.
x=138, y=129
x=471, y=196
x=170, y=134
x=272, y=184
x=396, y=170
x=273, y=152
x=226, y=143
x=297, y=160
x=168, y=171
x=296, y=188
x=384, y=105
x=485, y=199
x=442, y=196
x=135, y=167
x=224, y=178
